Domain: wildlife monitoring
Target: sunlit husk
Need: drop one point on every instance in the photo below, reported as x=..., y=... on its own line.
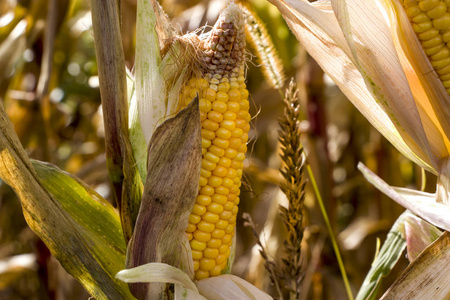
x=420, y=203
x=419, y=234
x=224, y=287
x=319, y=31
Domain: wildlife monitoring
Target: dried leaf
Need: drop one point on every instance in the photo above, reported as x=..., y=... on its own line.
x=427, y=277
x=122, y=168
x=169, y=194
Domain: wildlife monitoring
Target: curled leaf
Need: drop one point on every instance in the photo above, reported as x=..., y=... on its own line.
x=420, y=203
x=157, y=272
x=227, y=287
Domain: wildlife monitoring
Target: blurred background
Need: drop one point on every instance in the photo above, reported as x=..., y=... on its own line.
x=49, y=88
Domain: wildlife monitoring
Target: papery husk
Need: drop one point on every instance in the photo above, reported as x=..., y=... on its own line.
x=169, y=195
x=427, y=277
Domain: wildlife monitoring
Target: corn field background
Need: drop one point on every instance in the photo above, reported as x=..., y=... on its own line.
x=49, y=87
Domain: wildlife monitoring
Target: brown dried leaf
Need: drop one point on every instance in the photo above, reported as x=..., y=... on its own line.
x=427, y=276
x=169, y=195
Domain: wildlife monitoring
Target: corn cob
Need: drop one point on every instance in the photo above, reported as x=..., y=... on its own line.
x=430, y=20
x=225, y=124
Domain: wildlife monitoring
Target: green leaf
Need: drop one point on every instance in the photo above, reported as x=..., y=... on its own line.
x=80, y=228
x=386, y=259
x=96, y=232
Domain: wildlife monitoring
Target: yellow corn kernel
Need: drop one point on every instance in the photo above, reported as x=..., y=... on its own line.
x=222, y=190
x=420, y=18
x=220, y=259
x=210, y=217
x=206, y=226
x=221, y=96
x=191, y=228
x=210, y=125
x=215, y=181
x=223, y=249
x=443, y=22
x=196, y=265
x=426, y=5
x=227, y=239
x=224, y=87
x=222, y=224
x=208, y=165
x=234, y=106
x=207, y=264
x=214, y=242
x=439, y=64
x=220, y=199
x=219, y=106
x=225, y=215
x=422, y=27
x=222, y=143
x=207, y=190
x=200, y=274
x=215, y=116
x=205, y=143
x=203, y=200
x=194, y=219
x=429, y=34
x=228, y=183
x=223, y=133
x=229, y=115
x=216, y=271
x=224, y=114
x=202, y=236
x=208, y=134
x=215, y=208
x=205, y=173
x=216, y=151
x=197, y=255
x=203, y=181
x=229, y=205
x=211, y=252
x=225, y=162
x=218, y=233
x=438, y=11
x=230, y=153
x=430, y=20
x=197, y=245
x=228, y=124
x=220, y=171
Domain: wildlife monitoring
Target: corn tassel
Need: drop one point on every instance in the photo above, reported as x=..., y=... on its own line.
x=430, y=20
x=225, y=124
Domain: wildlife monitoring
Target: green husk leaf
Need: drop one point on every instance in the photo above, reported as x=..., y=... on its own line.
x=169, y=194
x=386, y=259
x=80, y=228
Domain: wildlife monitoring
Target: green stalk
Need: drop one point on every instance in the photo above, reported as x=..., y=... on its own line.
x=330, y=232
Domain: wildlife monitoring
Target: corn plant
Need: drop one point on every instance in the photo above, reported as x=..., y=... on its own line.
x=390, y=59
